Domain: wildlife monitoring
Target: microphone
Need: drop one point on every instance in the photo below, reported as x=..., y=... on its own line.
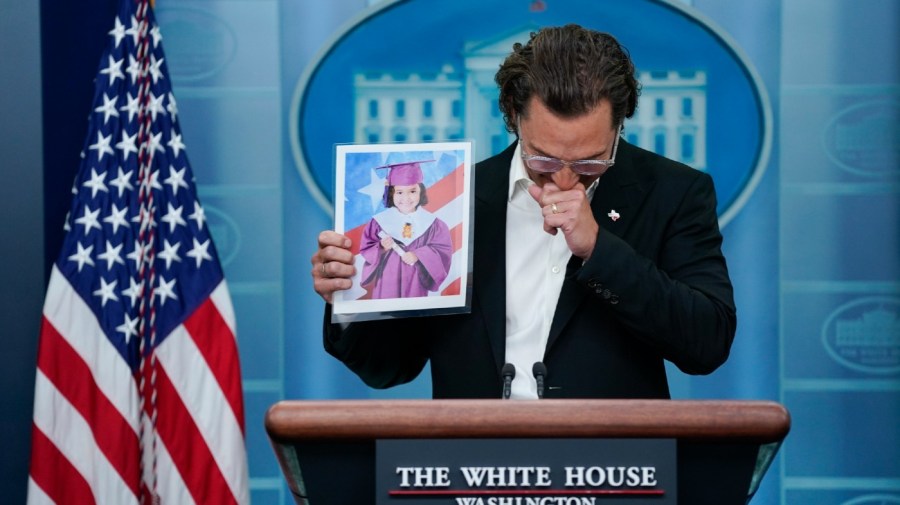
x=508, y=372
x=540, y=372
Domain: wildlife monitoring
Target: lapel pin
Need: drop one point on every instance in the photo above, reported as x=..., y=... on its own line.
x=614, y=215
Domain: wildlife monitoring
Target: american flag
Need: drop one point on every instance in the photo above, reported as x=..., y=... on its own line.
x=138, y=390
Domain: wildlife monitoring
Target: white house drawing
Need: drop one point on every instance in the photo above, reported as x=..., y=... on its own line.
x=392, y=107
x=450, y=104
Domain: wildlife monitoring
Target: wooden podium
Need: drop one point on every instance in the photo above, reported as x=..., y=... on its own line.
x=327, y=448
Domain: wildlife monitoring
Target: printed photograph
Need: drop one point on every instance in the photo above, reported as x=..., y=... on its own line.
x=406, y=208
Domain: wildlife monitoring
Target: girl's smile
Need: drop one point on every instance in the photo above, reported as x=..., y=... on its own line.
x=406, y=198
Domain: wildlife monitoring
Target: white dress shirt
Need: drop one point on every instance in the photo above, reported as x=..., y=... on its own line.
x=535, y=270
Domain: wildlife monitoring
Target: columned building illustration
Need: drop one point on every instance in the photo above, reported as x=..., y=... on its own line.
x=412, y=107
x=448, y=104
x=671, y=116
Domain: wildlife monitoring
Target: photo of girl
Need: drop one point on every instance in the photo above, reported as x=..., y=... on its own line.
x=406, y=210
x=407, y=249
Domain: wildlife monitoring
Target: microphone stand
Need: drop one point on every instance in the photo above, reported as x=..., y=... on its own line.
x=540, y=372
x=508, y=372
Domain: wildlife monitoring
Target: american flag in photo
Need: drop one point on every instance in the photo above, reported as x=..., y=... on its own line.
x=444, y=182
x=138, y=389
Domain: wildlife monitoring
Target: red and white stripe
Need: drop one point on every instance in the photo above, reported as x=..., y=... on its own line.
x=85, y=446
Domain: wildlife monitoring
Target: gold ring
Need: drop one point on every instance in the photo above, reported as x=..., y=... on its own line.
x=553, y=208
x=323, y=270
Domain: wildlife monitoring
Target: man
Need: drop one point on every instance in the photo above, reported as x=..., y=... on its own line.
x=593, y=256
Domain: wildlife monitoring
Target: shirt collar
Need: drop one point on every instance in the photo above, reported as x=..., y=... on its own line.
x=518, y=177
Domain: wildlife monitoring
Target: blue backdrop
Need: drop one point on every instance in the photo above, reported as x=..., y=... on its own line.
x=813, y=247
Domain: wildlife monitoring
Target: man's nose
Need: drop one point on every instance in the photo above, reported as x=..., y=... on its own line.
x=565, y=179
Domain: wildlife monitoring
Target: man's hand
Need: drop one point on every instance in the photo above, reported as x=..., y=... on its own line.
x=569, y=211
x=332, y=265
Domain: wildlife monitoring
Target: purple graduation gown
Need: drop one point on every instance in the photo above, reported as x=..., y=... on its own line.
x=385, y=275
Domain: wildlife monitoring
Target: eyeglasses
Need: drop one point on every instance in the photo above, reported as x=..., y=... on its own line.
x=549, y=165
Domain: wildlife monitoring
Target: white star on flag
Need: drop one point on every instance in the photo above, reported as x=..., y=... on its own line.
x=122, y=181
x=102, y=145
x=128, y=327
x=108, y=108
x=173, y=217
x=176, y=179
x=134, y=30
x=116, y=217
x=169, y=253
x=113, y=70
x=132, y=107
x=83, y=256
x=154, y=69
x=106, y=292
x=134, y=69
x=89, y=220
x=199, y=252
x=157, y=36
x=96, y=183
x=136, y=254
x=111, y=256
x=127, y=144
x=133, y=291
x=172, y=107
x=176, y=144
x=165, y=290
x=199, y=215
x=154, y=143
x=118, y=32
x=156, y=107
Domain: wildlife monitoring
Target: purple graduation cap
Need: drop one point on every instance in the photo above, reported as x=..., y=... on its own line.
x=406, y=173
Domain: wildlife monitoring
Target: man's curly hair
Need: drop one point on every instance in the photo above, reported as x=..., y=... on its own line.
x=570, y=69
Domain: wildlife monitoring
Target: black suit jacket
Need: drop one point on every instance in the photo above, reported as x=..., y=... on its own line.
x=656, y=287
